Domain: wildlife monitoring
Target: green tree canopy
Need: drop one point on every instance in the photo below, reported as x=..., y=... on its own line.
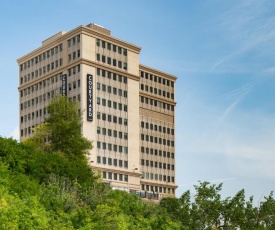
x=62, y=129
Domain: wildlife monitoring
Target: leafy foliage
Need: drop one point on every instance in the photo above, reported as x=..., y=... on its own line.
x=62, y=128
x=49, y=190
x=209, y=211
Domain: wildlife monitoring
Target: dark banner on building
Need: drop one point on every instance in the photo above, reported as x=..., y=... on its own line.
x=89, y=97
x=64, y=85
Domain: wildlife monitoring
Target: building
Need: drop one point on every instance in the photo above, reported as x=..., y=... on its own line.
x=129, y=108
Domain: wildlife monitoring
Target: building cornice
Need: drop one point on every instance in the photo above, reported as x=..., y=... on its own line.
x=110, y=68
x=77, y=62
x=81, y=29
x=116, y=170
x=149, y=182
x=157, y=72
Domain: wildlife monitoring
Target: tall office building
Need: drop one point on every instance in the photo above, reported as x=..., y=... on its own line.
x=129, y=108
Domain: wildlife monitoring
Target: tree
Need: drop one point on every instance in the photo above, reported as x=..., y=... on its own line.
x=209, y=211
x=62, y=129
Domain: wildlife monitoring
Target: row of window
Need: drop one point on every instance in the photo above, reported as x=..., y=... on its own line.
x=108, y=117
x=157, y=152
x=36, y=114
x=115, y=176
x=113, y=133
x=33, y=115
x=156, y=189
x=154, y=78
x=160, y=177
x=74, y=40
x=74, y=70
x=40, y=85
x=156, y=103
x=110, y=47
x=157, y=128
x=116, y=77
x=37, y=100
x=41, y=71
x=111, y=161
x=28, y=130
x=41, y=57
x=111, y=147
x=40, y=98
x=74, y=55
x=74, y=84
x=157, y=164
x=113, y=62
x=109, y=104
x=50, y=80
x=157, y=140
x=111, y=89
x=156, y=91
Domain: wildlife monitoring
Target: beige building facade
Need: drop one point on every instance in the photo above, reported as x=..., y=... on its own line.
x=129, y=108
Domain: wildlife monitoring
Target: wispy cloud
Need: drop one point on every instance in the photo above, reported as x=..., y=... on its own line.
x=245, y=28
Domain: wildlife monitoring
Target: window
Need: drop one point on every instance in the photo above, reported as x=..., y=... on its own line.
x=98, y=130
x=110, y=175
x=98, y=144
x=109, y=161
x=125, y=149
x=109, y=132
x=119, y=64
x=125, y=65
x=103, y=58
x=98, y=159
x=125, y=164
x=125, y=52
x=98, y=42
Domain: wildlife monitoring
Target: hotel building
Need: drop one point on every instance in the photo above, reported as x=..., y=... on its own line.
x=129, y=108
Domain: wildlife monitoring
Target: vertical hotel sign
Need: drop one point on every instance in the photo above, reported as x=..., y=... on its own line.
x=89, y=97
x=64, y=85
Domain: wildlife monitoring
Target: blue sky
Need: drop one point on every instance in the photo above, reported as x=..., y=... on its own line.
x=222, y=53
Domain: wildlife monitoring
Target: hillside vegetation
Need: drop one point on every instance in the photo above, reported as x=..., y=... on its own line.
x=49, y=185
